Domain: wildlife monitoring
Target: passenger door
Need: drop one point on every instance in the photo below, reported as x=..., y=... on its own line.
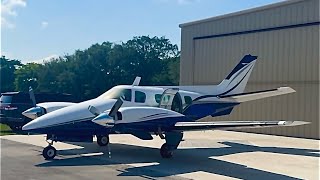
x=171, y=100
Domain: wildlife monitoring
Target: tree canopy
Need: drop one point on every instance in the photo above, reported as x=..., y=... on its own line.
x=7, y=69
x=90, y=72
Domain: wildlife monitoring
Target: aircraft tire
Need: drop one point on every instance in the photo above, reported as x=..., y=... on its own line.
x=165, y=151
x=103, y=140
x=49, y=152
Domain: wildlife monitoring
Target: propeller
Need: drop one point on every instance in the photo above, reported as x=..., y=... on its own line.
x=104, y=118
x=115, y=108
x=32, y=97
x=35, y=111
x=94, y=110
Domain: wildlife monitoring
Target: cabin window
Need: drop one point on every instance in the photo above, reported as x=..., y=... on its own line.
x=157, y=97
x=140, y=97
x=187, y=99
x=126, y=94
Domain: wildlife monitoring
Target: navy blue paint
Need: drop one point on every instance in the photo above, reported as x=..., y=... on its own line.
x=197, y=111
x=259, y=30
x=143, y=135
x=222, y=113
x=245, y=60
x=72, y=138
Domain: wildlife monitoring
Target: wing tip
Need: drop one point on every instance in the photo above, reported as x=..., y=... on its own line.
x=287, y=89
x=293, y=123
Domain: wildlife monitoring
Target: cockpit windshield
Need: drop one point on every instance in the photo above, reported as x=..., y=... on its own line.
x=116, y=92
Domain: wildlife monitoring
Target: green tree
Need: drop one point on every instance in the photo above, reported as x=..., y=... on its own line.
x=88, y=73
x=27, y=75
x=155, y=55
x=7, y=68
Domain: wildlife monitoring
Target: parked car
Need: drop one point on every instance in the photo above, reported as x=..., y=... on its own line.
x=12, y=104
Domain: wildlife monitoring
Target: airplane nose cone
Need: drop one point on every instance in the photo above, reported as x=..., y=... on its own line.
x=104, y=119
x=33, y=113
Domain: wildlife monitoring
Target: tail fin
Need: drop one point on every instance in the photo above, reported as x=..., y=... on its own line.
x=237, y=80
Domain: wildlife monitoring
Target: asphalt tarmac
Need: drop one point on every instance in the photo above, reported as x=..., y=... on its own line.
x=200, y=156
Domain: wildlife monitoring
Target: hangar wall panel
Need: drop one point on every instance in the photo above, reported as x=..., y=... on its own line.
x=285, y=37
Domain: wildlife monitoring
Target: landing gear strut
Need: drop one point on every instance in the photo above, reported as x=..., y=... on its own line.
x=102, y=140
x=173, y=140
x=49, y=152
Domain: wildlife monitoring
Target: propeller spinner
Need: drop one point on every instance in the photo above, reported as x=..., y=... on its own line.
x=35, y=111
x=104, y=118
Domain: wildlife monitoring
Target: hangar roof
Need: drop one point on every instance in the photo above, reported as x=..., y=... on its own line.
x=247, y=11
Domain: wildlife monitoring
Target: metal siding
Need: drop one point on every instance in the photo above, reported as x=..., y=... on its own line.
x=287, y=57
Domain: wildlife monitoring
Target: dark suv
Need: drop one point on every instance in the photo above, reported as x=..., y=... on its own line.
x=12, y=104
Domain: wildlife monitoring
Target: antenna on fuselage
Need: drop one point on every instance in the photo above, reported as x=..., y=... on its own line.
x=136, y=81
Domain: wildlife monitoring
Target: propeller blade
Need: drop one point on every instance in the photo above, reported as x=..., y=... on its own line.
x=32, y=97
x=94, y=110
x=115, y=108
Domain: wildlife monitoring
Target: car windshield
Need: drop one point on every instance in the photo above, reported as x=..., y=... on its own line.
x=116, y=92
x=5, y=99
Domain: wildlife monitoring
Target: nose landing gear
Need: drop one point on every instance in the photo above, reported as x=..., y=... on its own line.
x=49, y=152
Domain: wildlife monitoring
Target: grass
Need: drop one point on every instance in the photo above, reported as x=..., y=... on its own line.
x=5, y=130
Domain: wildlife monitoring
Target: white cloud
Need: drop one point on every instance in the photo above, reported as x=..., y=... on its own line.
x=45, y=59
x=8, y=9
x=44, y=24
x=5, y=23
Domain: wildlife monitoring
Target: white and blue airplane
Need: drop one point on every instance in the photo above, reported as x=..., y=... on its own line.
x=143, y=111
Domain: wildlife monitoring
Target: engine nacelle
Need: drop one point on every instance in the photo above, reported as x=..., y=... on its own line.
x=44, y=108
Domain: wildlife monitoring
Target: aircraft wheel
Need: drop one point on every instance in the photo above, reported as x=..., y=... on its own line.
x=103, y=140
x=49, y=152
x=165, y=151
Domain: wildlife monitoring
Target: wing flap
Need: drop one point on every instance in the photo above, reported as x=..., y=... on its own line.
x=198, y=126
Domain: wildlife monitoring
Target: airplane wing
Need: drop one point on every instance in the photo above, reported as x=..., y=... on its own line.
x=226, y=125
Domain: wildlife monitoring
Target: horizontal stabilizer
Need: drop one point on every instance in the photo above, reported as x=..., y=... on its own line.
x=250, y=96
x=198, y=126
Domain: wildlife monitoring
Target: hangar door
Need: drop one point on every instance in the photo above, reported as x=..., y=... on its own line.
x=285, y=58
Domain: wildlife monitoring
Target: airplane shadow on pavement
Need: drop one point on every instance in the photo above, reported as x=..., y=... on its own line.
x=186, y=160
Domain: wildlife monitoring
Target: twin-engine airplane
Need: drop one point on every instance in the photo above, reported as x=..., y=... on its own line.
x=145, y=111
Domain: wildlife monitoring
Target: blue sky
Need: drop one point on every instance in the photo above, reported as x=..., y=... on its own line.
x=36, y=29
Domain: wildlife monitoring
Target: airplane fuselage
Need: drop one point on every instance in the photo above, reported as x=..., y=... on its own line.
x=76, y=119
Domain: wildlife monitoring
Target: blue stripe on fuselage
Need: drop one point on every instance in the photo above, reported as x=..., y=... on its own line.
x=90, y=128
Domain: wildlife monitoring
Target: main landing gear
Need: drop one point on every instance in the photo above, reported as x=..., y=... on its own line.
x=102, y=140
x=165, y=151
x=173, y=140
x=49, y=152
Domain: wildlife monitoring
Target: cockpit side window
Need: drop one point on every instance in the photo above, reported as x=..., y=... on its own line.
x=115, y=93
x=139, y=97
x=126, y=94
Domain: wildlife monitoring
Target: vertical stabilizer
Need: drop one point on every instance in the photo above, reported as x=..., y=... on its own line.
x=237, y=80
